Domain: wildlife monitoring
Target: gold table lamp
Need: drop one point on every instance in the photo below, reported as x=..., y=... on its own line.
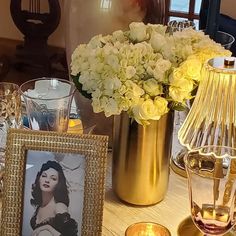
x=212, y=117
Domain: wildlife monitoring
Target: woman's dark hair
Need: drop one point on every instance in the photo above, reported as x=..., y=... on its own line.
x=60, y=192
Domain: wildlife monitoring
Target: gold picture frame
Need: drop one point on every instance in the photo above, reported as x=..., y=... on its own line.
x=22, y=143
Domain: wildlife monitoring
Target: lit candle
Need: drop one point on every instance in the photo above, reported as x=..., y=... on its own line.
x=213, y=18
x=147, y=229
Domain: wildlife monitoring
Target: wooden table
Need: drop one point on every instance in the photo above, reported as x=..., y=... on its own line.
x=170, y=212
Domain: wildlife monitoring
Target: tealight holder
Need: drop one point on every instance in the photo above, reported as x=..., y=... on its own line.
x=147, y=229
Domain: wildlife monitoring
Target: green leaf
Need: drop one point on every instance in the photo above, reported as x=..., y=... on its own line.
x=178, y=106
x=78, y=85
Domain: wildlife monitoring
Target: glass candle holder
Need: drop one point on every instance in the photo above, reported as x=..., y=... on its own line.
x=225, y=39
x=178, y=151
x=48, y=103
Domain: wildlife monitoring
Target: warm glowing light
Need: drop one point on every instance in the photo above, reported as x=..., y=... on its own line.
x=75, y=126
x=212, y=117
x=105, y=4
x=147, y=229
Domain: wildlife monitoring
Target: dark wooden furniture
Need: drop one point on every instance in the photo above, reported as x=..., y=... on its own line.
x=36, y=26
x=19, y=75
x=226, y=23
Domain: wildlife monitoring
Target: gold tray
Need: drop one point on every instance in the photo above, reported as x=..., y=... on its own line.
x=177, y=169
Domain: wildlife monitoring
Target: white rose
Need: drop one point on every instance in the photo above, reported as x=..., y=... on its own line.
x=192, y=68
x=157, y=41
x=145, y=110
x=138, y=31
x=162, y=105
x=179, y=81
x=168, y=49
x=178, y=94
x=118, y=36
x=161, y=29
x=161, y=67
x=95, y=41
x=152, y=87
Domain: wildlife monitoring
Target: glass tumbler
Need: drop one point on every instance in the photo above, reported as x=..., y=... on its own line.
x=211, y=172
x=178, y=151
x=225, y=39
x=47, y=103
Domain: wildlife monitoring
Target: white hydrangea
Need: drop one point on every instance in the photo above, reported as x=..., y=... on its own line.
x=142, y=70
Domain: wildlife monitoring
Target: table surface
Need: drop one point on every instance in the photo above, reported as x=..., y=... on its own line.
x=170, y=212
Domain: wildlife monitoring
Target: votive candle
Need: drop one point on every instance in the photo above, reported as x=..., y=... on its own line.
x=147, y=229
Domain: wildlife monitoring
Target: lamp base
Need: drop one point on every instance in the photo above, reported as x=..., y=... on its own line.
x=177, y=163
x=187, y=227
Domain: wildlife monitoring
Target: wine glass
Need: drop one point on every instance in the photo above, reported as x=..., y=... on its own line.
x=211, y=172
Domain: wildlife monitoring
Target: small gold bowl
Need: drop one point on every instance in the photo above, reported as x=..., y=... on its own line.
x=147, y=229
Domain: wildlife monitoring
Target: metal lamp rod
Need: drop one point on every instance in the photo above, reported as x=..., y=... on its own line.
x=213, y=18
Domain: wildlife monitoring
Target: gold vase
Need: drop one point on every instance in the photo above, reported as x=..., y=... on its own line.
x=141, y=157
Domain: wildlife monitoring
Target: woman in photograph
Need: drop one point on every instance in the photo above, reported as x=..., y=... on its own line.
x=50, y=199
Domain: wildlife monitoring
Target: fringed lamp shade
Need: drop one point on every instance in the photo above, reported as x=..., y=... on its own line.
x=212, y=118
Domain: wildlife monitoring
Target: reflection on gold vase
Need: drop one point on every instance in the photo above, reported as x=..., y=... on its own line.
x=141, y=157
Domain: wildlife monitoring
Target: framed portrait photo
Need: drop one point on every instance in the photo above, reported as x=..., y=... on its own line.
x=53, y=184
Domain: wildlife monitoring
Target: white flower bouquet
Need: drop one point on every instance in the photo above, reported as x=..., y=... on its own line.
x=143, y=71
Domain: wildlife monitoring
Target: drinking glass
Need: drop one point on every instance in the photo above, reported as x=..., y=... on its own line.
x=225, y=39
x=178, y=151
x=48, y=103
x=211, y=172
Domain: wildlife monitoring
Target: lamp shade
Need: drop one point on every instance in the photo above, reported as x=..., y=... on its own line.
x=212, y=117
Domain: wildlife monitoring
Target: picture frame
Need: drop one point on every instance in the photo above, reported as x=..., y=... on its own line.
x=23, y=146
